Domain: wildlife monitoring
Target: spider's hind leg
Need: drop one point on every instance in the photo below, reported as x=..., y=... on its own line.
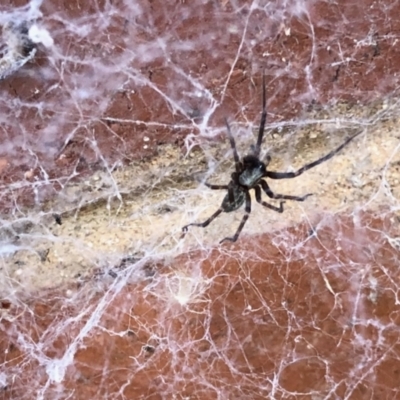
x=273, y=195
x=205, y=223
x=216, y=187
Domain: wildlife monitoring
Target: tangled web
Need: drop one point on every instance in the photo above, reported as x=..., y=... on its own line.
x=112, y=121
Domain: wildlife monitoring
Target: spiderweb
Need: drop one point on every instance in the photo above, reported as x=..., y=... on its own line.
x=113, y=118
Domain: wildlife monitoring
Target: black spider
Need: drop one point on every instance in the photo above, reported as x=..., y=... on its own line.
x=249, y=174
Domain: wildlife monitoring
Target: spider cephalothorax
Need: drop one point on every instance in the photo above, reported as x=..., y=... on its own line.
x=249, y=174
x=252, y=171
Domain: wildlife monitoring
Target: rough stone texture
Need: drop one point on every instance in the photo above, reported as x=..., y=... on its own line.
x=110, y=128
x=286, y=315
x=322, y=52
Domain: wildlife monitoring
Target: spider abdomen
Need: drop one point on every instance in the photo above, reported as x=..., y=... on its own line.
x=238, y=197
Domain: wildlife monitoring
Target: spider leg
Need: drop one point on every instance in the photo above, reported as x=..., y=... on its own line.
x=247, y=211
x=262, y=123
x=233, y=146
x=222, y=187
x=216, y=187
x=287, y=175
x=273, y=195
x=205, y=223
x=265, y=204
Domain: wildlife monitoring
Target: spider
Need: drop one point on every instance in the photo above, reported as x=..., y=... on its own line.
x=249, y=174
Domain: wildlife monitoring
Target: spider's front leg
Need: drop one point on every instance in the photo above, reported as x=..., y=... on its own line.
x=289, y=175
